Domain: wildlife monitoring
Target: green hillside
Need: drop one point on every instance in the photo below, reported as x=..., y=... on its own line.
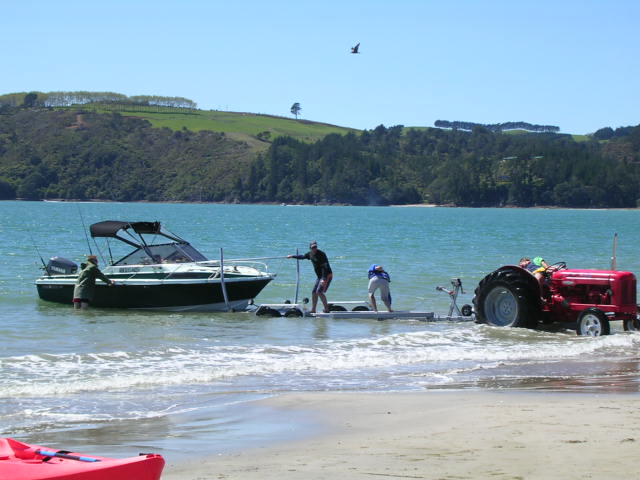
x=178, y=113
x=237, y=125
x=63, y=154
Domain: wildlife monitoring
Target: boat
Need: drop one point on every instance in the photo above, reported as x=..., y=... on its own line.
x=21, y=461
x=162, y=272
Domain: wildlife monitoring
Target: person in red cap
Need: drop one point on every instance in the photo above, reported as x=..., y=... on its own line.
x=323, y=272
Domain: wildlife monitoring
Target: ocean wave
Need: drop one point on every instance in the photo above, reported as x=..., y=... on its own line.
x=454, y=348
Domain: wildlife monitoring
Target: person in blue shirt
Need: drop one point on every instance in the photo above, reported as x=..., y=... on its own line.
x=379, y=280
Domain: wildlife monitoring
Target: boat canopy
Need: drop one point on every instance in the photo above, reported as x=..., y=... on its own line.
x=110, y=228
x=178, y=251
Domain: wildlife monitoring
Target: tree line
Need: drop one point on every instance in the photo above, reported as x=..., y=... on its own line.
x=67, y=99
x=478, y=168
x=497, y=127
x=608, y=133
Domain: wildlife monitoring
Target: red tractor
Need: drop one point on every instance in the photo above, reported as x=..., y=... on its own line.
x=590, y=299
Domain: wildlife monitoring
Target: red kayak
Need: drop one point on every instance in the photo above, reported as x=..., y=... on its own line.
x=20, y=461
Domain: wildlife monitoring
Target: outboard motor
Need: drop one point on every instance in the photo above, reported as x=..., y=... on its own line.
x=61, y=266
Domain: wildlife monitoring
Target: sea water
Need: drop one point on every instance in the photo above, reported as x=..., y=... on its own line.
x=113, y=381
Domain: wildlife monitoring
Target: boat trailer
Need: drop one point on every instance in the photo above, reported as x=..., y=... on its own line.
x=363, y=310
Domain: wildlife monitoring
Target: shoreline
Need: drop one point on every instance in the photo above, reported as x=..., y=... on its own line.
x=408, y=205
x=452, y=435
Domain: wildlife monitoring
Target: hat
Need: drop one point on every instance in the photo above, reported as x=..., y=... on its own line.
x=313, y=244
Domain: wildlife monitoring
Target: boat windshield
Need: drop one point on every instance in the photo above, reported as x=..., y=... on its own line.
x=167, y=253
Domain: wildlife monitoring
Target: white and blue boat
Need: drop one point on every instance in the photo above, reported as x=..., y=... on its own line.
x=163, y=271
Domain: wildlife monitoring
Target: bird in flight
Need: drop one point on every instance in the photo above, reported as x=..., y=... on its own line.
x=355, y=49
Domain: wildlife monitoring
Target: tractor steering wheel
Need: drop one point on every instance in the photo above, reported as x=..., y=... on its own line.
x=555, y=267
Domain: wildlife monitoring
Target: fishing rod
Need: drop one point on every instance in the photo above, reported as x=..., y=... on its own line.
x=297, y=277
x=257, y=258
x=44, y=265
x=109, y=249
x=84, y=229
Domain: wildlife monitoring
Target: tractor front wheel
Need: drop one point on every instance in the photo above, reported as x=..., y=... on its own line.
x=593, y=322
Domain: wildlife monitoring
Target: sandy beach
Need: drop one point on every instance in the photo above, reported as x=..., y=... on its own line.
x=443, y=435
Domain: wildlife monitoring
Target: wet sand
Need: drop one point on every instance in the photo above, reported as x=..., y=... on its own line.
x=442, y=435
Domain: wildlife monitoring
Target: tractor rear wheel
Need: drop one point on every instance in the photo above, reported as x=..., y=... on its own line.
x=508, y=297
x=593, y=322
x=631, y=325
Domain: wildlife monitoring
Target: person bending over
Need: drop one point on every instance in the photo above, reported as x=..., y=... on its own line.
x=379, y=280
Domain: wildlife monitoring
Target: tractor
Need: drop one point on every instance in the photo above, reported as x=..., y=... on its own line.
x=587, y=299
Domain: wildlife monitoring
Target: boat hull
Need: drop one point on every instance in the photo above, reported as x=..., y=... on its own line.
x=155, y=295
x=19, y=461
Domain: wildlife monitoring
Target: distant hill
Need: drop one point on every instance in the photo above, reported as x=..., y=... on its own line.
x=163, y=149
x=178, y=113
x=62, y=154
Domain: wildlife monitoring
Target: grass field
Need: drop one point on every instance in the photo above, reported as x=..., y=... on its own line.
x=249, y=127
x=237, y=124
x=581, y=138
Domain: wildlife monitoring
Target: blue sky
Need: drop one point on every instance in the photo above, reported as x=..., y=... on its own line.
x=574, y=64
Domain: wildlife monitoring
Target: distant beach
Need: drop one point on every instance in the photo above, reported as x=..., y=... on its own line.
x=419, y=205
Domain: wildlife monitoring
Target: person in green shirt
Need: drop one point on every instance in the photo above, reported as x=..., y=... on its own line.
x=85, y=287
x=535, y=267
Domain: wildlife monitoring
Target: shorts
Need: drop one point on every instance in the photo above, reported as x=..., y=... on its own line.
x=324, y=286
x=380, y=283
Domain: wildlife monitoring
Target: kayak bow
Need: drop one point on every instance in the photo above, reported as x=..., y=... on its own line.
x=21, y=461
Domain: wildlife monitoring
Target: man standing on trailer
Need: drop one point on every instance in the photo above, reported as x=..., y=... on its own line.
x=323, y=272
